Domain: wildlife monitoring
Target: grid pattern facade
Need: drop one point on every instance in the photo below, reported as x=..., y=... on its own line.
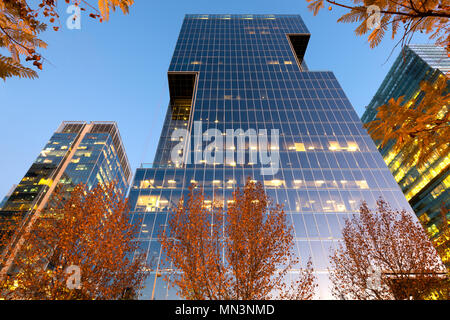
x=95, y=160
x=428, y=188
x=248, y=75
x=414, y=65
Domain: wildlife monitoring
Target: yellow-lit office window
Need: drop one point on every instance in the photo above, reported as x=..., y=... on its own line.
x=334, y=145
x=390, y=156
x=352, y=146
x=274, y=183
x=298, y=146
x=297, y=184
x=424, y=218
x=319, y=183
x=400, y=174
x=362, y=184
x=47, y=182
x=149, y=203
x=147, y=184
x=207, y=204
x=230, y=183
x=433, y=230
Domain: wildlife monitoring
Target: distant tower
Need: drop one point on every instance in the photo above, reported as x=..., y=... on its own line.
x=426, y=189
x=78, y=152
x=7, y=196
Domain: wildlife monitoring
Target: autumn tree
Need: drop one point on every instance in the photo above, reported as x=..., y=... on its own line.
x=441, y=242
x=385, y=254
x=243, y=253
x=404, y=16
x=88, y=230
x=22, y=21
x=419, y=128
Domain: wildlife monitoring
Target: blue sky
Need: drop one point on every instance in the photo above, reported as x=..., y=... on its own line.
x=116, y=71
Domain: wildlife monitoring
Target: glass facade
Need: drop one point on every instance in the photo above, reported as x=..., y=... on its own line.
x=248, y=72
x=5, y=198
x=78, y=152
x=426, y=189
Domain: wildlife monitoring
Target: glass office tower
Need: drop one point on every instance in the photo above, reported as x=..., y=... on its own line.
x=427, y=189
x=5, y=198
x=78, y=152
x=247, y=72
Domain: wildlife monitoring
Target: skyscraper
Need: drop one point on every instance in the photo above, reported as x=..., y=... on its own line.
x=5, y=198
x=245, y=76
x=427, y=189
x=78, y=152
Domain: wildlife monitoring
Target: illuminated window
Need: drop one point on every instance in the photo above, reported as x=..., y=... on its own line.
x=146, y=184
x=352, y=146
x=47, y=182
x=149, y=203
x=334, y=145
x=362, y=184
x=319, y=183
x=274, y=183
x=299, y=147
